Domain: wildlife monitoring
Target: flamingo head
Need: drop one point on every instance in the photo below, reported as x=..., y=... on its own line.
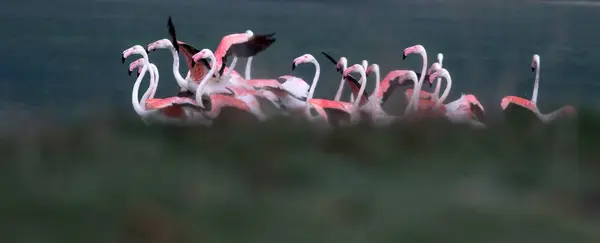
x=135, y=64
x=442, y=72
x=504, y=103
x=440, y=58
x=203, y=54
x=137, y=49
x=159, y=44
x=306, y=58
x=353, y=68
x=434, y=68
x=341, y=63
x=535, y=62
x=416, y=49
x=373, y=68
x=365, y=64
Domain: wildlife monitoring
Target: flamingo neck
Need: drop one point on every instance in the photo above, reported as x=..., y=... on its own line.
x=200, y=88
x=363, y=85
x=338, y=94
x=441, y=100
x=438, y=85
x=424, y=69
x=377, y=81
x=313, y=86
x=148, y=92
x=231, y=67
x=536, y=85
x=248, y=66
x=180, y=80
x=155, y=84
x=141, y=111
x=412, y=105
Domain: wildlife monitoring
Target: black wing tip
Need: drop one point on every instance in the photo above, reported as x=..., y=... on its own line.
x=329, y=57
x=172, y=34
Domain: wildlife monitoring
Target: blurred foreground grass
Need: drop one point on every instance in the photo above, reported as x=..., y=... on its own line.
x=113, y=179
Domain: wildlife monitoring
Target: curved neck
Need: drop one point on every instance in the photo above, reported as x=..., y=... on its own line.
x=412, y=105
x=148, y=92
x=536, y=85
x=248, y=65
x=438, y=86
x=338, y=94
x=424, y=69
x=200, y=88
x=231, y=67
x=155, y=83
x=363, y=85
x=135, y=92
x=180, y=80
x=377, y=81
x=313, y=86
x=441, y=100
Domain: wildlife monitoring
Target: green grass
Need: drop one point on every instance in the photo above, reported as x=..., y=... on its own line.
x=113, y=179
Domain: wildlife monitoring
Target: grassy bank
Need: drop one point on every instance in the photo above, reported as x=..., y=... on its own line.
x=113, y=179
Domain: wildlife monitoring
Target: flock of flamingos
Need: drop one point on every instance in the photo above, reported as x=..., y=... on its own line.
x=211, y=85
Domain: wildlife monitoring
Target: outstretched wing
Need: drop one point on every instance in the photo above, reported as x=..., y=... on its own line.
x=253, y=46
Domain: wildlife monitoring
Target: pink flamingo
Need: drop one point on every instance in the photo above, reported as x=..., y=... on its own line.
x=382, y=89
x=291, y=94
x=424, y=94
x=240, y=45
x=181, y=109
x=349, y=109
x=340, y=66
x=194, y=76
x=466, y=109
x=210, y=85
x=168, y=111
x=531, y=105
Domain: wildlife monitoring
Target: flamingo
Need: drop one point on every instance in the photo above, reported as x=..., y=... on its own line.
x=424, y=94
x=194, y=76
x=166, y=110
x=291, y=94
x=240, y=45
x=417, y=49
x=464, y=108
x=373, y=106
x=340, y=66
x=210, y=85
x=531, y=105
x=350, y=109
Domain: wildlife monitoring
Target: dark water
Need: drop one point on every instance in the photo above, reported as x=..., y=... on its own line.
x=63, y=56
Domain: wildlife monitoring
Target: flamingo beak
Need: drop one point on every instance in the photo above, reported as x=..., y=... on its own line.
x=137, y=74
x=129, y=72
x=122, y=59
x=532, y=69
x=193, y=63
x=293, y=66
x=403, y=56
